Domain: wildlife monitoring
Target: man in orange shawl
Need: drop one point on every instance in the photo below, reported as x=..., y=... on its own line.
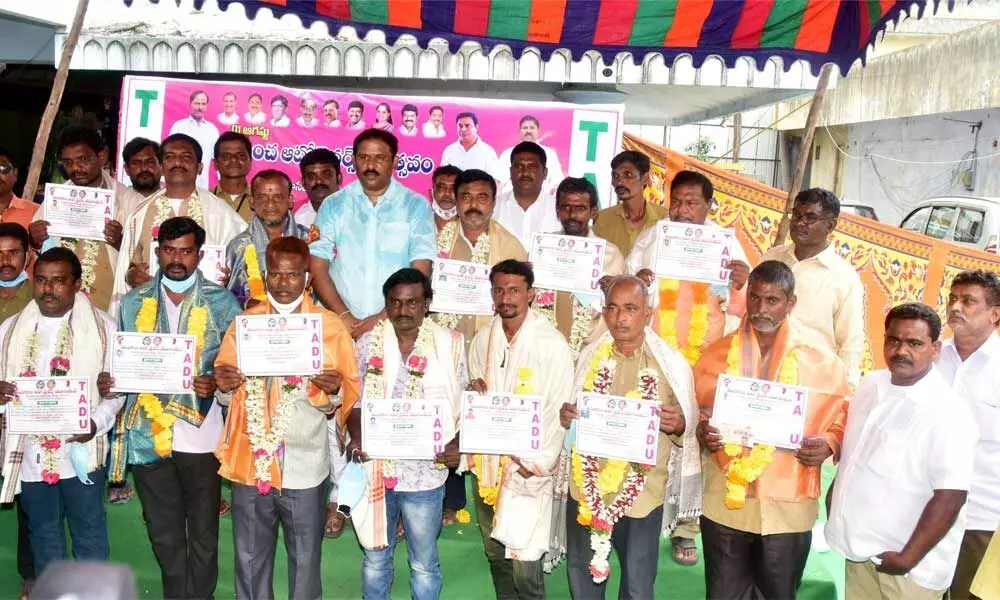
x=759, y=504
x=274, y=448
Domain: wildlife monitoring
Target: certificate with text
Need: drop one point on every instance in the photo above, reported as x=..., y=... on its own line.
x=50, y=406
x=693, y=252
x=618, y=427
x=567, y=263
x=461, y=287
x=753, y=411
x=279, y=345
x=402, y=429
x=157, y=363
x=498, y=423
x=78, y=212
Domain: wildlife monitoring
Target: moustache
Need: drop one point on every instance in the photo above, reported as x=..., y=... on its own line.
x=761, y=317
x=371, y=172
x=621, y=191
x=178, y=169
x=955, y=316
x=48, y=298
x=900, y=360
x=319, y=186
x=172, y=266
x=474, y=211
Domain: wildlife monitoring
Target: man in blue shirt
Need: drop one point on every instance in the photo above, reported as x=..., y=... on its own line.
x=368, y=231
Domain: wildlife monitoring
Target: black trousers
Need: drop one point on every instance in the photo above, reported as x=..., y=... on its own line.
x=25, y=559
x=748, y=566
x=180, y=503
x=454, y=491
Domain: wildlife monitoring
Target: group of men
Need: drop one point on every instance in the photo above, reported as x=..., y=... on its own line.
x=916, y=490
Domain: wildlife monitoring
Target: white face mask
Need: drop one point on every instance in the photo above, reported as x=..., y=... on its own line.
x=284, y=309
x=448, y=214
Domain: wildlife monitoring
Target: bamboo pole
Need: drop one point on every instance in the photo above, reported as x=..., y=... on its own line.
x=806, y=150
x=49, y=116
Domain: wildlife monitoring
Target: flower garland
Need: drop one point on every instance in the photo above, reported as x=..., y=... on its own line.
x=594, y=482
x=58, y=367
x=376, y=386
x=255, y=282
x=266, y=445
x=698, y=325
x=583, y=324
x=88, y=262
x=164, y=211
x=480, y=255
x=545, y=303
x=489, y=491
x=745, y=468
x=163, y=422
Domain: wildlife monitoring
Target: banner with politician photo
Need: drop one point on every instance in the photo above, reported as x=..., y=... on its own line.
x=285, y=123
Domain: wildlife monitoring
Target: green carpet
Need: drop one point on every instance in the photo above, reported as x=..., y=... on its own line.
x=464, y=566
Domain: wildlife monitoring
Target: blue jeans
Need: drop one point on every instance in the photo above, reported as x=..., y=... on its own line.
x=49, y=507
x=421, y=512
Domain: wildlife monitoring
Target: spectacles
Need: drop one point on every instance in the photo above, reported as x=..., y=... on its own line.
x=379, y=159
x=808, y=218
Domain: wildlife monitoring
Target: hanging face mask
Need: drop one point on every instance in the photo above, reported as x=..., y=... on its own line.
x=284, y=309
x=179, y=287
x=352, y=485
x=79, y=457
x=446, y=214
x=15, y=282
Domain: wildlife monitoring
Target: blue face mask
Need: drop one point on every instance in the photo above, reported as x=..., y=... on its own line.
x=15, y=282
x=352, y=485
x=80, y=459
x=179, y=287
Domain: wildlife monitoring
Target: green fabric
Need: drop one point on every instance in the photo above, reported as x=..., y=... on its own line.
x=653, y=19
x=463, y=563
x=370, y=11
x=874, y=12
x=782, y=26
x=509, y=19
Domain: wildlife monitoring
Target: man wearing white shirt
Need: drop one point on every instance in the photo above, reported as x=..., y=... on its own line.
x=530, y=132
x=228, y=116
x=321, y=177
x=409, y=118
x=526, y=204
x=470, y=151
x=254, y=115
x=355, y=115
x=908, y=434
x=199, y=128
x=331, y=113
x=432, y=126
x=308, y=116
x=970, y=362
x=279, y=105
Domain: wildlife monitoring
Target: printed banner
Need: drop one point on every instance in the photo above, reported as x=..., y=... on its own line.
x=284, y=123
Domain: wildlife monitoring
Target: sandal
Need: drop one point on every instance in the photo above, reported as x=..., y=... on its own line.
x=120, y=494
x=685, y=552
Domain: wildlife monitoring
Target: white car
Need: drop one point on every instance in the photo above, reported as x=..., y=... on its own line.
x=967, y=220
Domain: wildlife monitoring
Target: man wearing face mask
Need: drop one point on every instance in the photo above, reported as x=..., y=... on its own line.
x=293, y=493
x=526, y=203
x=476, y=237
x=181, y=157
x=142, y=164
x=271, y=201
x=320, y=169
x=756, y=534
x=443, y=201
x=169, y=440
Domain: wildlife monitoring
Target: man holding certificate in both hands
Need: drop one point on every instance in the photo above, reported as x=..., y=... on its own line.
x=54, y=459
x=777, y=406
x=519, y=362
x=414, y=371
x=171, y=423
x=274, y=448
x=635, y=466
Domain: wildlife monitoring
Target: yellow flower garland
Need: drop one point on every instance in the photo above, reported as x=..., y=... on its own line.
x=490, y=493
x=745, y=468
x=255, y=282
x=698, y=325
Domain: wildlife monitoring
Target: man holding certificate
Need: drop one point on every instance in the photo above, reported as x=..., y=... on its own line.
x=475, y=239
x=780, y=402
x=414, y=372
x=632, y=414
x=169, y=437
x=274, y=447
x=519, y=357
x=271, y=201
x=53, y=371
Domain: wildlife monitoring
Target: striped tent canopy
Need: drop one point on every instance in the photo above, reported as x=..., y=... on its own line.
x=818, y=31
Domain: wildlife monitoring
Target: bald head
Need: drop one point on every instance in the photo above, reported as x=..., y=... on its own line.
x=626, y=309
x=628, y=285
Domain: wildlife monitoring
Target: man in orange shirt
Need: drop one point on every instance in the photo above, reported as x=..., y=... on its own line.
x=12, y=208
x=760, y=504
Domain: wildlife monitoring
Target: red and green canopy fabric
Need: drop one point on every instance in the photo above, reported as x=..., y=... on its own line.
x=818, y=31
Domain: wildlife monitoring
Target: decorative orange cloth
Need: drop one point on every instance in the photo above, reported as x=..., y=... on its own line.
x=823, y=373
x=234, y=451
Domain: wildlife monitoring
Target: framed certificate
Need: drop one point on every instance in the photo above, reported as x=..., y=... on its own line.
x=213, y=260
x=280, y=345
x=753, y=411
x=567, y=263
x=693, y=252
x=50, y=406
x=499, y=423
x=618, y=427
x=78, y=212
x=401, y=429
x=158, y=363
x=461, y=287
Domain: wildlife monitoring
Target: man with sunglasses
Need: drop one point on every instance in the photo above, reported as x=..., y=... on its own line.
x=831, y=295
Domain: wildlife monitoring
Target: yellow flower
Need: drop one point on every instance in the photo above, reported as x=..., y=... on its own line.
x=463, y=517
x=610, y=478
x=255, y=282
x=583, y=516
x=145, y=320
x=196, y=326
x=732, y=449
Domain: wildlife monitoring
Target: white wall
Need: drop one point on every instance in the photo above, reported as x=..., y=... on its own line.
x=887, y=167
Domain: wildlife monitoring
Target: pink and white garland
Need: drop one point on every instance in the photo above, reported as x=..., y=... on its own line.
x=58, y=367
x=267, y=444
x=605, y=516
